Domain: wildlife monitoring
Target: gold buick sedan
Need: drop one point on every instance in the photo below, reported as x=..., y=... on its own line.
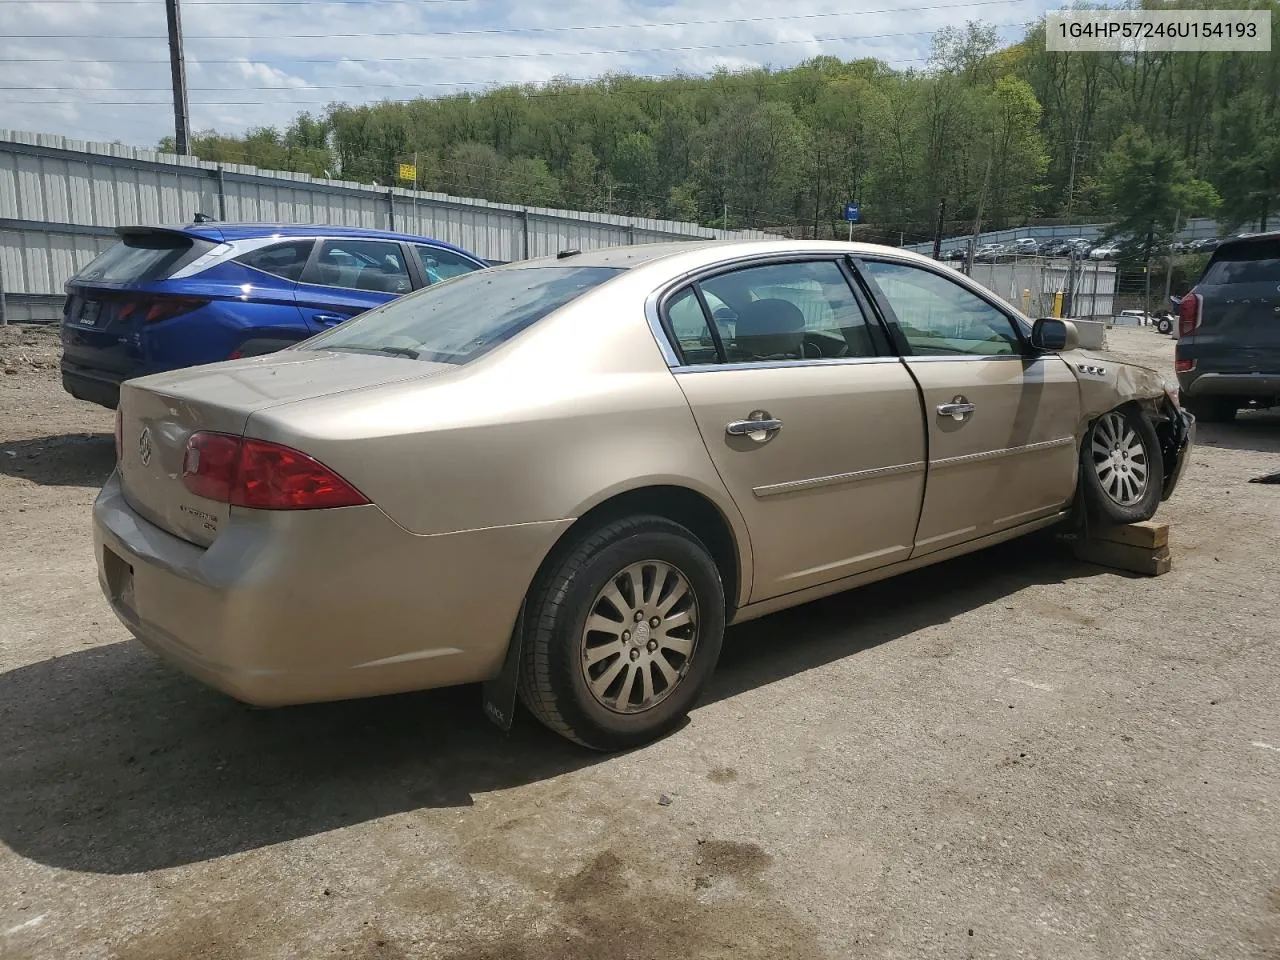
x=565, y=477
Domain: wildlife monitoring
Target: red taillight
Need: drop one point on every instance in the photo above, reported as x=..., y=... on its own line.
x=1188, y=315
x=155, y=309
x=1183, y=366
x=262, y=475
x=119, y=433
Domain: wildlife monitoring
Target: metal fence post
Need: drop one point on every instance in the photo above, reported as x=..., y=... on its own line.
x=222, y=195
x=391, y=210
x=4, y=313
x=524, y=233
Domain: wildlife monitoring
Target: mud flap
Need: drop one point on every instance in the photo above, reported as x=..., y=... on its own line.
x=499, y=693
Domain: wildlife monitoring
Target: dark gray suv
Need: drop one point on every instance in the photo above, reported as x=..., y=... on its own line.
x=1228, y=352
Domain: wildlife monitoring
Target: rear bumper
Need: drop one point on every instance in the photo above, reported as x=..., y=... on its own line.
x=302, y=606
x=1208, y=384
x=96, y=386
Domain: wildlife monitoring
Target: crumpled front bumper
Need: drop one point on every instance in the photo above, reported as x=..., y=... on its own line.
x=1177, y=435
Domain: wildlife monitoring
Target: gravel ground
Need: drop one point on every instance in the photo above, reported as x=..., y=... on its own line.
x=1009, y=755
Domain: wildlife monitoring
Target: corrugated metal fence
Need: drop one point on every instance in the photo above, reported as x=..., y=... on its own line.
x=60, y=200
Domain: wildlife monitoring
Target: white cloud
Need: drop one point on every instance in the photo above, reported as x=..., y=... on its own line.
x=251, y=64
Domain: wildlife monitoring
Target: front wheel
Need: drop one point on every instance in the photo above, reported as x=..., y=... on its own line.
x=623, y=633
x=1122, y=467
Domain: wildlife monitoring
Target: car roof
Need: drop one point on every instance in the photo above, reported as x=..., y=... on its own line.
x=218, y=231
x=1234, y=242
x=695, y=254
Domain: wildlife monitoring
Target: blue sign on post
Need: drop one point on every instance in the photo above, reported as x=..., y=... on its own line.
x=852, y=212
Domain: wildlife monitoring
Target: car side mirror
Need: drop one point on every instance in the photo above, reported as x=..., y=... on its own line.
x=1053, y=335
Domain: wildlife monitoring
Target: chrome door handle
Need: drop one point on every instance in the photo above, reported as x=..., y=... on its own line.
x=957, y=409
x=758, y=426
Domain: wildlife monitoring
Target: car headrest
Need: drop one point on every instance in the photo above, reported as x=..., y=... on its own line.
x=770, y=327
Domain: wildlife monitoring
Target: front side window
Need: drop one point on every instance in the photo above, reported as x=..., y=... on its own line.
x=459, y=320
x=440, y=264
x=788, y=311
x=374, y=265
x=280, y=259
x=939, y=317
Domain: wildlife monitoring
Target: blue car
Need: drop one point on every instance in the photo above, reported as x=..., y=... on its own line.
x=169, y=297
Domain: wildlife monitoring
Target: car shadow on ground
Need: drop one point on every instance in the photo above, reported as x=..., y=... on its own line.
x=1257, y=430
x=66, y=460
x=113, y=763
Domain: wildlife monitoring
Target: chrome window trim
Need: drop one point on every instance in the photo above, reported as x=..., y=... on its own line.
x=969, y=357
x=836, y=479
x=681, y=369
x=656, y=301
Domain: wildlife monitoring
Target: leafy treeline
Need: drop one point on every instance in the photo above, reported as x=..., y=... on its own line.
x=1002, y=135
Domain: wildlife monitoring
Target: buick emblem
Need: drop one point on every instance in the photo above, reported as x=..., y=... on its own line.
x=144, y=446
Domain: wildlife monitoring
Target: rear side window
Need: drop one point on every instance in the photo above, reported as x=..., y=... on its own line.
x=144, y=256
x=374, y=265
x=440, y=264
x=689, y=327
x=458, y=321
x=280, y=259
x=1256, y=262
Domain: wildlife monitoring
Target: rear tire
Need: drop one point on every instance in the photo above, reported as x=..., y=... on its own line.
x=1164, y=325
x=1122, y=467
x=623, y=632
x=1212, y=409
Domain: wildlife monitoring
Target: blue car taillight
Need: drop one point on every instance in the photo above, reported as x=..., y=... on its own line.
x=156, y=308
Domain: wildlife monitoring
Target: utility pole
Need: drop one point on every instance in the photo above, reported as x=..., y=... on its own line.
x=1168, y=270
x=977, y=219
x=178, y=66
x=937, y=230
x=1071, y=178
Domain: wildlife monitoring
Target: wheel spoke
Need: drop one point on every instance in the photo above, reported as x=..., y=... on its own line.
x=599, y=624
x=600, y=685
x=667, y=670
x=1139, y=470
x=612, y=594
x=681, y=619
x=661, y=573
x=595, y=654
x=680, y=589
x=646, y=682
x=678, y=644
x=635, y=573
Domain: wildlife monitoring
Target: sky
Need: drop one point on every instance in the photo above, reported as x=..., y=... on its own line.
x=99, y=69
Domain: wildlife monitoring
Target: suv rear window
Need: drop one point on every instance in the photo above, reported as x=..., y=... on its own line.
x=458, y=320
x=144, y=256
x=1251, y=262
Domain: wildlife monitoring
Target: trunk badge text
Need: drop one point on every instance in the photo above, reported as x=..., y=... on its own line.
x=144, y=446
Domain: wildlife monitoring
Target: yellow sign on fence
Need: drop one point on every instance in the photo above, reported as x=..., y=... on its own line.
x=409, y=172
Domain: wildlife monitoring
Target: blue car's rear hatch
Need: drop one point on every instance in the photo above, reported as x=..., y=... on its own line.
x=111, y=300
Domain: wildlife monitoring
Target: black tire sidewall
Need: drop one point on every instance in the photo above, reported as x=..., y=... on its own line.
x=593, y=723
x=1100, y=505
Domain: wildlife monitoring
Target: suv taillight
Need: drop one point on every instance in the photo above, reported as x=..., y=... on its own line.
x=155, y=309
x=265, y=476
x=1188, y=315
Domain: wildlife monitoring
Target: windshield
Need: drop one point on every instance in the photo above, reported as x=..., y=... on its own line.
x=460, y=319
x=1255, y=262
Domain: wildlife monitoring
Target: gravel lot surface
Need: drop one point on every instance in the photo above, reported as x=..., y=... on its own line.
x=1013, y=754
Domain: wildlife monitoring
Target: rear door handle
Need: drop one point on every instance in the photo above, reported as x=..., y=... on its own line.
x=758, y=426
x=328, y=319
x=957, y=409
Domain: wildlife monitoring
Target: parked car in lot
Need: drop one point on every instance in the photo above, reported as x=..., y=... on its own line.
x=566, y=476
x=168, y=297
x=1228, y=351
x=1025, y=247
x=1106, y=251
x=990, y=252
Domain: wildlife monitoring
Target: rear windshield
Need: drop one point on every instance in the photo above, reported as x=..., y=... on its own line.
x=459, y=319
x=143, y=257
x=1256, y=262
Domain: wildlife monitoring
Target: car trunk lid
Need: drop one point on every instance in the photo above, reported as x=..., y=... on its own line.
x=159, y=413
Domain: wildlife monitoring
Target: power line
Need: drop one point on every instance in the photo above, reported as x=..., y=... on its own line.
x=520, y=86
x=350, y=86
x=430, y=34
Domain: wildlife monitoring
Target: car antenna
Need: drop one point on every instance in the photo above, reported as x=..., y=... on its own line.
x=567, y=253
